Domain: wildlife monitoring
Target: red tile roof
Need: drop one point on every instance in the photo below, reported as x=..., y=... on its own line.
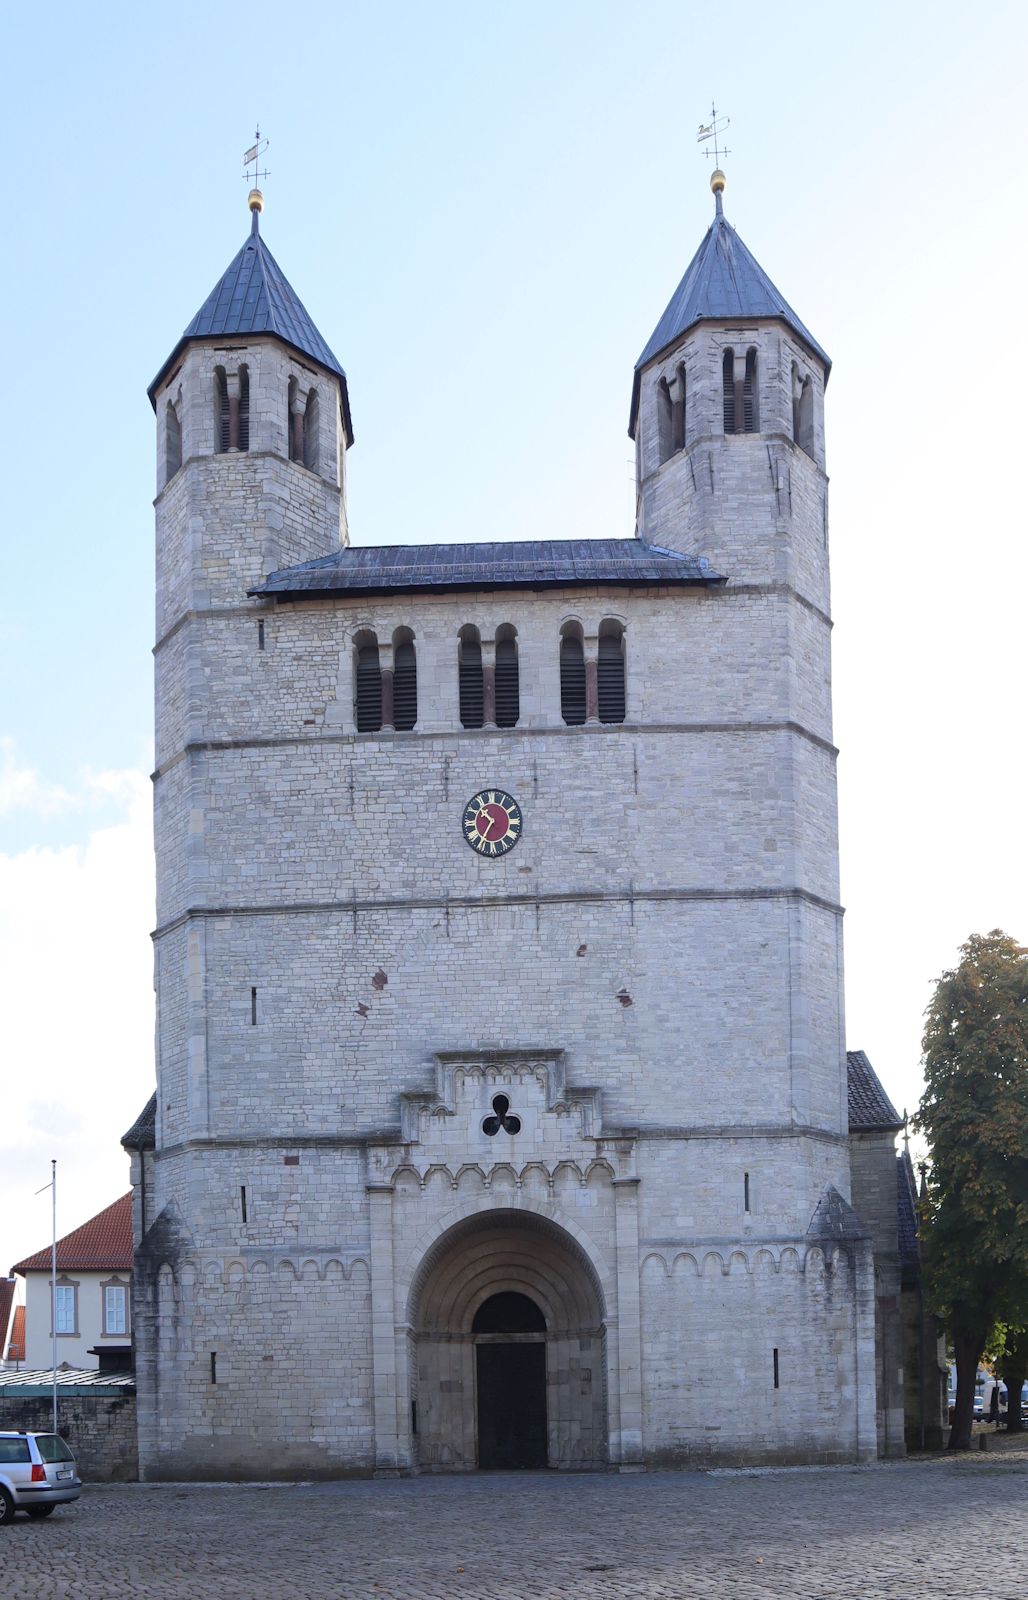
x=7, y=1288
x=16, y=1348
x=103, y=1244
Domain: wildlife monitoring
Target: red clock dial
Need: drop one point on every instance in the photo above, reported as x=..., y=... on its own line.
x=492, y=822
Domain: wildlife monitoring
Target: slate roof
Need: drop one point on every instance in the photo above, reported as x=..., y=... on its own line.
x=906, y=1218
x=254, y=296
x=870, y=1106
x=103, y=1244
x=723, y=281
x=143, y=1133
x=521, y=564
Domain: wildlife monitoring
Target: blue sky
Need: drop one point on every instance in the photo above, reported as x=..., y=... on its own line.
x=485, y=210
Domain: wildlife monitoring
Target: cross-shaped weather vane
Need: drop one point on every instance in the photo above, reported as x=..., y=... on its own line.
x=252, y=159
x=709, y=134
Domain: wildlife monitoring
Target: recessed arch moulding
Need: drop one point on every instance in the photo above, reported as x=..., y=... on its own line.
x=459, y=1215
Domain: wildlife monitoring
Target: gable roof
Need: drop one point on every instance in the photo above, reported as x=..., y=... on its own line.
x=722, y=282
x=520, y=564
x=254, y=296
x=869, y=1105
x=103, y=1244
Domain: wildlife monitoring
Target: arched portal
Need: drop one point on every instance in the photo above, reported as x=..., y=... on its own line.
x=508, y=1348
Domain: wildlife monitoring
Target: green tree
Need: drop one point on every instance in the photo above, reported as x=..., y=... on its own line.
x=1010, y=1360
x=975, y=1115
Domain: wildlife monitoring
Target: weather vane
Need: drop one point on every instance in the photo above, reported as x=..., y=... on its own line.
x=709, y=133
x=252, y=159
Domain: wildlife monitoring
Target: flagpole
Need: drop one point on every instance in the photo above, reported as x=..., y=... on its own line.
x=53, y=1286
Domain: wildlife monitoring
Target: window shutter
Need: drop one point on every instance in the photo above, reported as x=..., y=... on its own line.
x=749, y=393
x=610, y=678
x=572, y=682
x=472, y=697
x=508, y=695
x=369, y=689
x=728, y=390
x=223, y=434
x=405, y=687
x=244, y=409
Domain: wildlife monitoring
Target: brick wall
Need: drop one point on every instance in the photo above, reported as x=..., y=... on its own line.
x=101, y=1429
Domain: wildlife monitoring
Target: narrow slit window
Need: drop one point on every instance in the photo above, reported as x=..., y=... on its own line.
x=369, y=689
x=310, y=432
x=244, y=408
x=664, y=420
x=610, y=675
x=471, y=687
x=728, y=390
x=242, y=1200
x=260, y=636
x=572, y=681
x=253, y=1008
x=746, y=1191
x=221, y=409
x=508, y=691
x=214, y=1366
x=405, y=686
x=774, y=1364
x=172, y=442
x=750, y=396
x=294, y=423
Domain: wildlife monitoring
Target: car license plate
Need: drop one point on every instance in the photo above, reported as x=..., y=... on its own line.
x=64, y=1472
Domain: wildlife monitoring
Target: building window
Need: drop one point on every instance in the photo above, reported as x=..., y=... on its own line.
x=172, y=442
x=310, y=432
x=221, y=409
x=66, y=1308
x=572, y=678
x=294, y=422
x=610, y=672
x=678, y=411
x=802, y=411
x=750, y=395
x=368, y=684
x=469, y=678
x=508, y=688
x=405, y=681
x=115, y=1308
x=664, y=415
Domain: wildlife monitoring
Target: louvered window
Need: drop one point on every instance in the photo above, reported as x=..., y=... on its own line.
x=172, y=442
x=508, y=694
x=405, y=687
x=244, y=408
x=678, y=414
x=610, y=677
x=472, y=697
x=369, y=689
x=310, y=433
x=664, y=421
x=293, y=433
x=751, y=414
x=728, y=390
x=221, y=408
x=572, y=681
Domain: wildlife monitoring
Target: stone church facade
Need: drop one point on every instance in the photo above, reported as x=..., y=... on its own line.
x=501, y=1113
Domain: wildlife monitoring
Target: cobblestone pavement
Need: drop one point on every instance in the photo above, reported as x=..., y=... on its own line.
x=942, y=1530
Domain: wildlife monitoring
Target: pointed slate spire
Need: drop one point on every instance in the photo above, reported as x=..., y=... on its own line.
x=254, y=296
x=722, y=282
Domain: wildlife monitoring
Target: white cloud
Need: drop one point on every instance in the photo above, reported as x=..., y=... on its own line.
x=22, y=789
x=77, y=1002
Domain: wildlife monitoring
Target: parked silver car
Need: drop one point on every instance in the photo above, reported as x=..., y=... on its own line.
x=37, y=1473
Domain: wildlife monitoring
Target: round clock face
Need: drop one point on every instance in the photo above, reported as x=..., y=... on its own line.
x=492, y=822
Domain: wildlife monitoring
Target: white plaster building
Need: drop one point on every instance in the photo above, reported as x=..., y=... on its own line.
x=532, y=1152
x=94, y=1278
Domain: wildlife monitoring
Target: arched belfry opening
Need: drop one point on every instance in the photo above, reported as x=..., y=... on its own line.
x=508, y=1349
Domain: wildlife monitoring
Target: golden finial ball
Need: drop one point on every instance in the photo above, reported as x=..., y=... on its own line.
x=717, y=181
x=255, y=200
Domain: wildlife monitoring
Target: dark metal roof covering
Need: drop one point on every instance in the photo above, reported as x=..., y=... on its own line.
x=521, y=564
x=870, y=1106
x=723, y=281
x=143, y=1133
x=253, y=296
x=906, y=1218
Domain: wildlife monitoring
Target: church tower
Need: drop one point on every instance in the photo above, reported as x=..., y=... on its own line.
x=501, y=1107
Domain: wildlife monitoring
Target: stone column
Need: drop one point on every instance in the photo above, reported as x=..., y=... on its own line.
x=385, y=661
x=628, y=1452
x=488, y=683
x=590, y=650
x=739, y=380
x=232, y=386
x=383, y=1330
